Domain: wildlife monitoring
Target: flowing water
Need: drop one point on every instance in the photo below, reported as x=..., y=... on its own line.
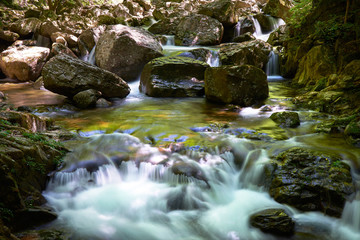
x=120, y=183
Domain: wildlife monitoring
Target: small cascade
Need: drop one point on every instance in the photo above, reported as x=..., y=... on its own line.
x=214, y=59
x=351, y=214
x=272, y=68
x=237, y=29
x=258, y=32
x=42, y=41
x=91, y=58
x=170, y=40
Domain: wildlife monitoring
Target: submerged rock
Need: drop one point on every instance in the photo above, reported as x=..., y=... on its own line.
x=68, y=76
x=87, y=98
x=173, y=77
x=273, y=221
x=125, y=50
x=198, y=29
x=286, y=119
x=252, y=52
x=23, y=63
x=243, y=85
x=310, y=181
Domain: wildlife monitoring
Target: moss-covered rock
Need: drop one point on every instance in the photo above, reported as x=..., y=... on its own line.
x=252, y=52
x=352, y=132
x=173, y=77
x=286, y=119
x=26, y=158
x=26, y=27
x=243, y=85
x=318, y=63
x=278, y=8
x=68, y=76
x=87, y=98
x=273, y=221
x=310, y=181
x=222, y=10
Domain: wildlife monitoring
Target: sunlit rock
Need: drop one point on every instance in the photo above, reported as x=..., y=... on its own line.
x=25, y=27
x=88, y=39
x=125, y=50
x=48, y=28
x=279, y=8
x=58, y=48
x=68, y=76
x=8, y=36
x=310, y=181
x=223, y=11
x=198, y=29
x=165, y=26
x=243, y=85
x=173, y=77
x=23, y=63
x=252, y=52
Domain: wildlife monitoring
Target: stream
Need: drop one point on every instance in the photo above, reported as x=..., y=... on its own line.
x=119, y=183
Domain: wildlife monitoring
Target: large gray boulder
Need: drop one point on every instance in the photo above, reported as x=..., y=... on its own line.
x=173, y=77
x=68, y=76
x=23, y=63
x=251, y=52
x=243, y=85
x=125, y=50
x=198, y=29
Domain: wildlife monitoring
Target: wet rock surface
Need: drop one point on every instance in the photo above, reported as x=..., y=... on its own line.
x=286, y=119
x=243, y=85
x=310, y=181
x=273, y=221
x=173, y=77
x=81, y=76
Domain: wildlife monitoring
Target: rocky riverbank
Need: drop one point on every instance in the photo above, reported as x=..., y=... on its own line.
x=91, y=54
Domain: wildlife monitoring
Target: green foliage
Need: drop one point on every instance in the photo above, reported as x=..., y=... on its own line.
x=37, y=137
x=34, y=165
x=299, y=12
x=5, y=122
x=333, y=29
x=5, y=213
x=337, y=164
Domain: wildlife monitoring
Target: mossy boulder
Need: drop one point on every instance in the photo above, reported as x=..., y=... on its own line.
x=200, y=54
x=87, y=98
x=318, y=63
x=252, y=52
x=165, y=26
x=25, y=27
x=26, y=158
x=198, y=29
x=222, y=10
x=310, y=180
x=278, y=8
x=352, y=132
x=68, y=76
x=286, y=119
x=173, y=77
x=244, y=85
x=273, y=221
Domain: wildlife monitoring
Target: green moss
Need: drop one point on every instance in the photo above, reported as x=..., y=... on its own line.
x=34, y=165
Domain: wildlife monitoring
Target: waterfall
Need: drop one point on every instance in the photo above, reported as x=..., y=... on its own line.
x=170, y=40
x=91, y=57
x=272, y=68
x=258, y=32
x=214, y=59
x=275, y=23
x=237, y=29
